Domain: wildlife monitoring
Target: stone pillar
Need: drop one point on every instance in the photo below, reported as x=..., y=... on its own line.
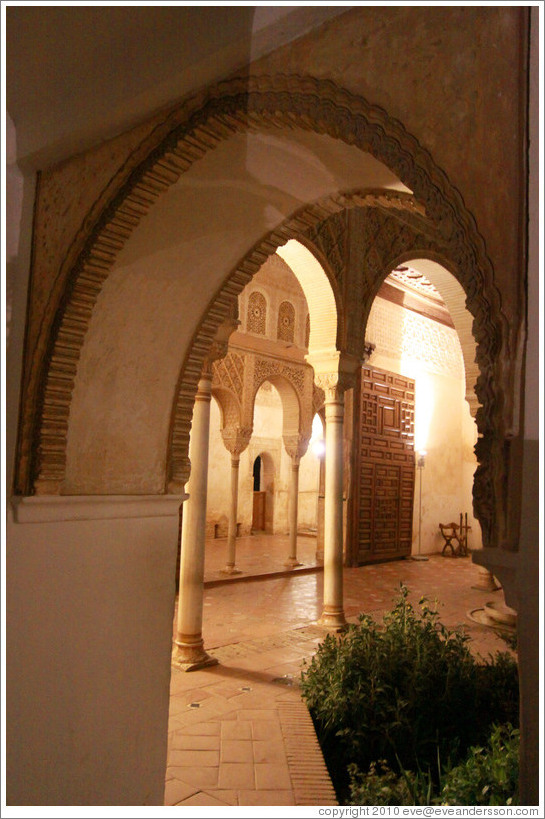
x=296, y=446
x=293, y=506
x=236, y=439
x=189, y=653
x=230, y=567
x=333, y=610
x=334, y=380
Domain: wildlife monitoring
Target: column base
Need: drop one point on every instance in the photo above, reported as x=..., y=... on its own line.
x=231, y=570
x=486, y=581
x=333, y=620
x=191, y=656
x=292, y=562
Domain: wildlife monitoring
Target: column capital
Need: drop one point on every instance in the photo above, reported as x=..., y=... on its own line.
x=236, y=439
x=296, y=445
x=334, y=372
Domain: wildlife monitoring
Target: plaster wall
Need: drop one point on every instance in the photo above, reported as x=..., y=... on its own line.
x=88, y=670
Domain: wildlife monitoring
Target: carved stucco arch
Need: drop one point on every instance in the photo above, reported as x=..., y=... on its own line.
x=185, y=135
x=291, y=391
x=448, y=284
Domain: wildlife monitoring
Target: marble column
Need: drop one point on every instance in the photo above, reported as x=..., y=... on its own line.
x=333, y=610
x=293, y=507
x=230, y=566
x=189, y=653
x=236, y=439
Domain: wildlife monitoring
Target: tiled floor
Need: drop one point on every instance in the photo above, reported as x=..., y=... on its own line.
x=238, y=732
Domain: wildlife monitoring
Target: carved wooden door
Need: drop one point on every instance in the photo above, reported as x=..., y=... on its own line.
x=383, y=467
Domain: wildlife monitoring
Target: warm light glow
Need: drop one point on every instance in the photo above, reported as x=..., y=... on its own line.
x=317, y=443
x=423, y=411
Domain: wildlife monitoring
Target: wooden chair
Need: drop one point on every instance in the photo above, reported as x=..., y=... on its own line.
x=450, y=533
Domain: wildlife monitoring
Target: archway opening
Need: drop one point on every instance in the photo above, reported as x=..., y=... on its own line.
x=423, y=363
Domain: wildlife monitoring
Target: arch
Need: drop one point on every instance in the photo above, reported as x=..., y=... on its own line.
x=318, y=293
x=291, y=407
x=184, y=136
x=229, y=406
x=454, y=297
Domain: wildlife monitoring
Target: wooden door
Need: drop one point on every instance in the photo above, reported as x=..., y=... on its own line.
x=258, y=515
x=383, y=467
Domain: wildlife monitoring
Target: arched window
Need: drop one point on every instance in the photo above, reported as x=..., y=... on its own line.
x=256, y=320
x=286, y=322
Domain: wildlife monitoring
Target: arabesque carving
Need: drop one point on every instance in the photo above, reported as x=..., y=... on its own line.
x=59, y=323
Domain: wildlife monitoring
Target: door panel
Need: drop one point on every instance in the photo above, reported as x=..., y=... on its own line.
x=258, y=516
x=383, y=467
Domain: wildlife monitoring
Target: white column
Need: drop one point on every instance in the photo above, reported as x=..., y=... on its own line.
x=230, y=567
x=189, y=652
x=293, y=507
x=333, y=612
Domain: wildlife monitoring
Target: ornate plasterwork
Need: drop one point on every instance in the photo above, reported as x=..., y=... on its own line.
x=229, y=373
x=264, y=369
x=163, y=154
x=285, y=330
x=256, y=316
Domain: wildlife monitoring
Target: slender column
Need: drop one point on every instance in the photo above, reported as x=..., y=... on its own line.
x=189, y=653
x=293, y=507
x=230, y=567
x=236, y=439
x=333, y=611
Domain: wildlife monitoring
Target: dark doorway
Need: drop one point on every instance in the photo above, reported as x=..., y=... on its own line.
x=259, y=503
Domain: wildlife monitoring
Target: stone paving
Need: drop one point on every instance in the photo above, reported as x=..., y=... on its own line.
x=239, y=733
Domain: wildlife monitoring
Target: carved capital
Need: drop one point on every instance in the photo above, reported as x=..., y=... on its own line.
x=216, y=351
x=296, y=445
x=334, y=372
x=236, y=439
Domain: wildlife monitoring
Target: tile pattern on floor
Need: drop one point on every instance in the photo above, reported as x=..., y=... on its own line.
x=239, y=733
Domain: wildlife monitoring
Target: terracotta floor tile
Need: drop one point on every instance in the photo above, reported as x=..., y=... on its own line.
x=237, y=730
x=176, y=791
x=182, y=741
x=196, y=777
x=269, y=751
x=258, y=714
x=266, y=730
x=236, y=776
x=266, y=798
x=203, y=798
x=228, y=796
x=203, y=729
x=272, y=776
x=206, y=759
x=236, y=750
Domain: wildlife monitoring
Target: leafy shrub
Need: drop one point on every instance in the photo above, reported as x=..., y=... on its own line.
x=403, y=692
x=489, y=775
x=381, y=786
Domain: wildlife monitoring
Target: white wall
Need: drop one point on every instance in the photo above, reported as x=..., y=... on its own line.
x=89, y=692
